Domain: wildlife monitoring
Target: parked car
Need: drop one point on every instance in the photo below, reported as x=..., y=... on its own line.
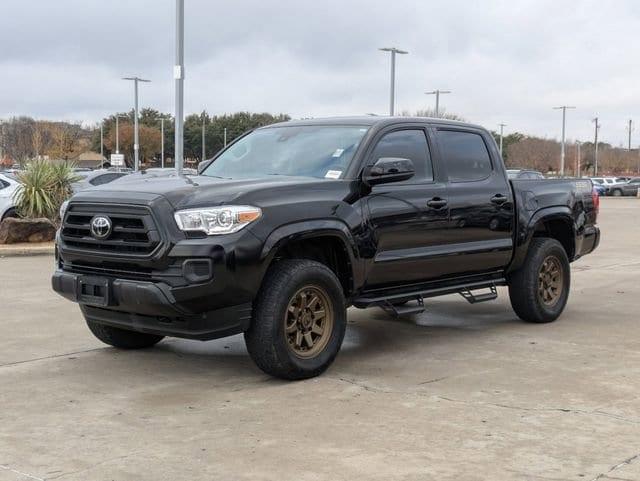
x=523, y=174
x=8, y=187
x=619, y=189
x=600, y=189
x=93, y=178
x=294, y=222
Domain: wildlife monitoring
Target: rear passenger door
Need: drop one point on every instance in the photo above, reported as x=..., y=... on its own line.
x=480, y=201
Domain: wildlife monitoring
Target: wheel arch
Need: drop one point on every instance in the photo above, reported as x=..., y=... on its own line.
x=553, y=222
x=327, y=241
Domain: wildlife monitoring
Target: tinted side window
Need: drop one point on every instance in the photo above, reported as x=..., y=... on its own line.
x=3, y=184
x=103, y=179
x=407, y=144
x=465, y=155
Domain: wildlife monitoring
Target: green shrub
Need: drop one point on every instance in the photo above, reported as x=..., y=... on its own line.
x=45, y=186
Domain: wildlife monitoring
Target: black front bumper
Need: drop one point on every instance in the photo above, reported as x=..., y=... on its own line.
x=150, y=306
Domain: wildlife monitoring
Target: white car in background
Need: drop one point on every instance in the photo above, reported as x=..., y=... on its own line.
x=8, y=186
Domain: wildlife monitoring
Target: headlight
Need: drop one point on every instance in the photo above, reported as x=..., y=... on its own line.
x=217, y=220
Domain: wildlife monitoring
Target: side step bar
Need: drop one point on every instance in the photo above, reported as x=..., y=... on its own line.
x=386, y=302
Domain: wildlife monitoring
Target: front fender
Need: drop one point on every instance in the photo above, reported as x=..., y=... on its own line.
x=309, y=229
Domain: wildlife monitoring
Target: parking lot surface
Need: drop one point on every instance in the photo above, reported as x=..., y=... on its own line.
x=459, y=392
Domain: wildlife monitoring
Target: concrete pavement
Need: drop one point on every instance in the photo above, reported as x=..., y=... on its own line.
x=460, y=392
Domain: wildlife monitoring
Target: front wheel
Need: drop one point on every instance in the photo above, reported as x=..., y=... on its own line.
x=616, y=193
x=299, y=320
x=540, y=288
x=122, y=338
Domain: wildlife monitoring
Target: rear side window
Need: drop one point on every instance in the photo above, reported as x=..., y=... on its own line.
x=407, y=144
x=465, y=155
x=3, y=184
x=103, y=179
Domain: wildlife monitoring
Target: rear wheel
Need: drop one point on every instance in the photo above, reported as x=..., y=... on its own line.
x=299, y=320
x=123, y=338
x=616, y=193
x=540, y=289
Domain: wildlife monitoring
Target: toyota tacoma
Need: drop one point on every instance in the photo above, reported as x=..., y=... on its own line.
x=293, y=223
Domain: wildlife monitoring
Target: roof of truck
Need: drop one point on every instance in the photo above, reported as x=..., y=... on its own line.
x=370, y=120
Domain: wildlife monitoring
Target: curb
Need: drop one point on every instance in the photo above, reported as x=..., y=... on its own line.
x=23, y=250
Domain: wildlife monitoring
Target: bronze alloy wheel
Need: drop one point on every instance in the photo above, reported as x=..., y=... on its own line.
x=308, y=322
x=550, y=281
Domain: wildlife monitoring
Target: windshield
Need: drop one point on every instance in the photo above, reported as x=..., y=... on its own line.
x=306, y=151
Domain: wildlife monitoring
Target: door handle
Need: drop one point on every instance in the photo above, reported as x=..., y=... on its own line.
x=499, y=199
x=437, y=203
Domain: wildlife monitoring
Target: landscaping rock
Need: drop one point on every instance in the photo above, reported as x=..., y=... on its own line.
x=13, y=231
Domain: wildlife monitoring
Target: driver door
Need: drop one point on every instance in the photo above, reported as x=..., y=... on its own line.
x=408, y=219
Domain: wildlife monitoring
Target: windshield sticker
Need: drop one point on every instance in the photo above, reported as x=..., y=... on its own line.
x=333, y=174
x=338, y=153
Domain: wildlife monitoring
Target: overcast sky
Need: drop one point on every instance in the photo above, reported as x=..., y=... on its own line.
x=505, y=61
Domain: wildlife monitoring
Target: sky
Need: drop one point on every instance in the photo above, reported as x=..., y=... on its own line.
x=504, y=61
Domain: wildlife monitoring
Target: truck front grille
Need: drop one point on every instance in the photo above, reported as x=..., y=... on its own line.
x=133, y=229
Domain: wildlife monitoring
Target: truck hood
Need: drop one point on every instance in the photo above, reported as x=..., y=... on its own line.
x=201, y=191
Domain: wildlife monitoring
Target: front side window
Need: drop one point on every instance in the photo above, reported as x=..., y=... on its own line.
x=306, y=151
x=465, y=155
x=407, y=144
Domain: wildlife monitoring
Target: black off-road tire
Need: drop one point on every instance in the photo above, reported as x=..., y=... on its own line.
x=266, y=339
x=524, y=293
x=122, y=338
x=616, y=193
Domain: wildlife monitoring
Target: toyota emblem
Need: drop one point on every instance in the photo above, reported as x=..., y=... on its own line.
x=101, y=227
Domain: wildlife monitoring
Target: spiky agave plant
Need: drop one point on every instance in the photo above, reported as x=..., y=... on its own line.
x=45, y=186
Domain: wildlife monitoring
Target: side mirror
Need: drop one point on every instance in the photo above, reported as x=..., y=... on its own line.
x=203, y=165
x=389, y=169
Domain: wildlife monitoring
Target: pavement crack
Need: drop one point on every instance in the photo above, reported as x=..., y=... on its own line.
x=21, y=473
x=53, y=356
x=626, y=462
x=366, y=387
x=432, y=380
x=596, y=412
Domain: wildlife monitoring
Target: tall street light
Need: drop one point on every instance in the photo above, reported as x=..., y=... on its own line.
x=204, y=137
x=630, y=129
x=564, y=120
x=578, y=159
x=136, y=139
x=178, y=75
x=502, y=126
x=118, y=131
x=101, y=141
x=392, y=92
x=595, y=144
x=437, y=94
x=161, y=119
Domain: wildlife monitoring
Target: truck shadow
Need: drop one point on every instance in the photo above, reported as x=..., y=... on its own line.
x=372, y=337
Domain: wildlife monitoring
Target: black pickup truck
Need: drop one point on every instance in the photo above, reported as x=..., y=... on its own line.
x=292, y=223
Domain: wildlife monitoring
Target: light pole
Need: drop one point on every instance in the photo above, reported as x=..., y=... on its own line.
x=564, y=120
x=136, y=139
x=437, y=94
x=204, y=146
x=630, y=129
x=161, y=119
x=118, y=132
x=225, y=136
x=595, y=145
x=178, y=75
x=578, y=159
x=502, y=126
x=101, y=141
x=392, y=92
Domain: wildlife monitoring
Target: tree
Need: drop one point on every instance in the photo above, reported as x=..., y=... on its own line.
x=149, y=139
